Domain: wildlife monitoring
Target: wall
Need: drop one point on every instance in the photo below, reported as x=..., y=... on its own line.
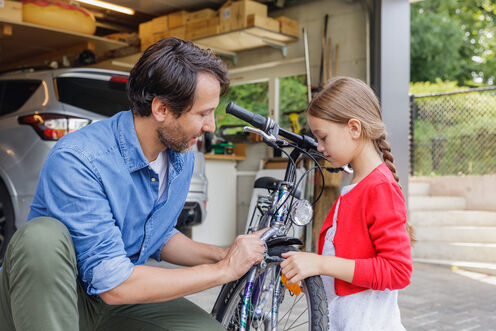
x=346, y=26
x=479, y=191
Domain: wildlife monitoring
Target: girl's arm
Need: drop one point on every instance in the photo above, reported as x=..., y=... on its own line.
x=300, y=265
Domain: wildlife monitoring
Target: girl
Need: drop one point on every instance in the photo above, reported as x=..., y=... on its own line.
x=364, y=246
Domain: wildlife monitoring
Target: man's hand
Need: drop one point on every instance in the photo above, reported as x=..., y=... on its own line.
x=300, y=265
x=247, y=250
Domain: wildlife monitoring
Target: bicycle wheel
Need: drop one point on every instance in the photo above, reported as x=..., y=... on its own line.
x=308, y=311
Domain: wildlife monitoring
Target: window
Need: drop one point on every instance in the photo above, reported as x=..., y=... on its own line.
x=99, y=96
x=252, y=96
x=15, y=93
x=292, y=98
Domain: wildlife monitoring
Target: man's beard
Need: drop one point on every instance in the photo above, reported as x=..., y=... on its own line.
x=173, y=138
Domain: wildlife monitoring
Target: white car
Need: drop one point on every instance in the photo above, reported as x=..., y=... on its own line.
x=39, y=107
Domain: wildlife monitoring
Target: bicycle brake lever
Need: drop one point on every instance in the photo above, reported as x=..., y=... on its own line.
x=270, y=138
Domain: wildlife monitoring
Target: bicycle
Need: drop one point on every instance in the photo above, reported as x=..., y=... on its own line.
x=262, y=299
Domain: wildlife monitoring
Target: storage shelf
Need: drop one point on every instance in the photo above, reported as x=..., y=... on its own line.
x=226, y=44
x=229, y=43
x=226, y=157
x=25, y=40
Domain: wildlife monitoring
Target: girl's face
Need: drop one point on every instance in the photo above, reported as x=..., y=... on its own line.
x=338, y=142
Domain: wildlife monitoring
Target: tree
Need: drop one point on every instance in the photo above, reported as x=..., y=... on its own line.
x=436, y=41
x=473, y=59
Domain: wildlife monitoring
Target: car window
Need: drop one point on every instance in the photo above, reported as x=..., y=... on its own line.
x=15, y=93
x=99, y=96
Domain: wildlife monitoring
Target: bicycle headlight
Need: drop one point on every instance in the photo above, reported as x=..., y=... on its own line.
x=302, y=212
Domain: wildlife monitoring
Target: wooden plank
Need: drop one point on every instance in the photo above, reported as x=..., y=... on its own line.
x=243, y=39
x=29, y=40
x=323, y=206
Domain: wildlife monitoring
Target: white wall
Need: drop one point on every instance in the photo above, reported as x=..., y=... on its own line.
x=346, y=26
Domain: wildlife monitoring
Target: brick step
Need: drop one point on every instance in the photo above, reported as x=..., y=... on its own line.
x=418, y=189
x=453, y=217
x=455, y=251
x=466, y=234
x=483, y=268
x=436, y=203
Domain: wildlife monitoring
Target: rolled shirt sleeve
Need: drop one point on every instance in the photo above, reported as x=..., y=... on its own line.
x=71, y=186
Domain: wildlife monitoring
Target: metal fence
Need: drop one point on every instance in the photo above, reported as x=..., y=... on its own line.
x=453, y=133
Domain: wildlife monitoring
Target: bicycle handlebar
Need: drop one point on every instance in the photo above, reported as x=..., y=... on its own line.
x=264, y=124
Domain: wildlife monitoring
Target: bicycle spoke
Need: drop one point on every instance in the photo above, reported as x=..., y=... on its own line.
x=294, y=304
x=296, y=326
x=295, y=321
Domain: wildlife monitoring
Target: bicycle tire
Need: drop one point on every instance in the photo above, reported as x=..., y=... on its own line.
x=228, y=306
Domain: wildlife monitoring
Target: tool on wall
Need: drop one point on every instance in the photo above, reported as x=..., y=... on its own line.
x=336, y=57
x=323, y=59
x=329, y=54
x=307, y=65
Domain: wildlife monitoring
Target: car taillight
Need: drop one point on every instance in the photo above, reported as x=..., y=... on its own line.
x=53, y=126
x=117, y=79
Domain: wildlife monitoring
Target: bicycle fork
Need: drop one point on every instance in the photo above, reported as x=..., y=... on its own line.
x=247, y=295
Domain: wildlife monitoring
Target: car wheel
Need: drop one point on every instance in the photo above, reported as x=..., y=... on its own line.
x=7, y=227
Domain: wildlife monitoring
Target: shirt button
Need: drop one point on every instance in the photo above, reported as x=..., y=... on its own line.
x=154, y=179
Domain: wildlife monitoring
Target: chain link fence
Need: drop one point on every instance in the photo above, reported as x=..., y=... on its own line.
x=453, y=133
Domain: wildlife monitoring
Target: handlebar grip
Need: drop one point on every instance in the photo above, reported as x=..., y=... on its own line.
x=256, y=120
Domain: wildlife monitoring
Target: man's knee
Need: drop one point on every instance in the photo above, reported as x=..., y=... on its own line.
x=41, y=240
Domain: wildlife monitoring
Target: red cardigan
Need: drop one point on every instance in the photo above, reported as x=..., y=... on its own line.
x=371, y=230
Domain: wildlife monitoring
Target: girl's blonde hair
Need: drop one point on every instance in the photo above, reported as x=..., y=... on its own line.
x=344, y=98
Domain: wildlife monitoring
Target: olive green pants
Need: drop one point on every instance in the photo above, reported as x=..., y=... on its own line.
x=39, y=291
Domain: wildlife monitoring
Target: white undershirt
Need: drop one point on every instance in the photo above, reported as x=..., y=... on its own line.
x=367, y=310
x=160, y=166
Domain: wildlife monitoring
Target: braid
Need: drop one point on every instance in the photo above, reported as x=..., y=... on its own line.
x=385, y=149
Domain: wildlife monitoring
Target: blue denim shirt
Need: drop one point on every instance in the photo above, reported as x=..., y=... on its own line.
x=98, y=182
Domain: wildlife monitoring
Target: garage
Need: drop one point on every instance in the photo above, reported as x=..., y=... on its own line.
x=266, y=45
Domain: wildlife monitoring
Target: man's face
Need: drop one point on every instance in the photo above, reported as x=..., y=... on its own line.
x=180, y=134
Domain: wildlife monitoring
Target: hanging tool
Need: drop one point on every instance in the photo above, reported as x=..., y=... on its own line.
x=329, y=48
x=322, y=75
x=336, y=60
x=307, y=65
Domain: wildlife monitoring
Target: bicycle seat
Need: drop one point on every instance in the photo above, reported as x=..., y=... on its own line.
x=272, y=183
x=269, y=183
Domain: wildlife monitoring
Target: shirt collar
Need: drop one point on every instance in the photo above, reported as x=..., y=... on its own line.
x=131, y=149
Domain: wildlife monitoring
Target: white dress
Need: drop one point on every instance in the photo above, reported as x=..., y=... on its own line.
x=368, y=310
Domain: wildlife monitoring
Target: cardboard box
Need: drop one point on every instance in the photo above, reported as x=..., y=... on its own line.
x=177, y=19
x=156, y=25
x=152, y=39
x=288, y=26
x=201, y=15
x=233, y=15
x=205, y=32
x=240, y=10
x=202, y=24
x=263, y=22
x=11, y=10
x=132, y=39
x=179, y=32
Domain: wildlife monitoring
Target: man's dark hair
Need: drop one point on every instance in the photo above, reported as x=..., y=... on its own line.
x=168, y=70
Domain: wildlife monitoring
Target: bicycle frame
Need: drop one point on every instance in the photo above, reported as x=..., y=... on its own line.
x=278, y=227
x=274, y=212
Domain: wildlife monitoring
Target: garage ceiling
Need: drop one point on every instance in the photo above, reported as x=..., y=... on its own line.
x=158, y=7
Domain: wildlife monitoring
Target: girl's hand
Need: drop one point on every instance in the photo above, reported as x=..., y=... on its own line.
x=300, y=265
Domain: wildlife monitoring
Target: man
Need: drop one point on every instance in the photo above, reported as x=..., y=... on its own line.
x=108, y=199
